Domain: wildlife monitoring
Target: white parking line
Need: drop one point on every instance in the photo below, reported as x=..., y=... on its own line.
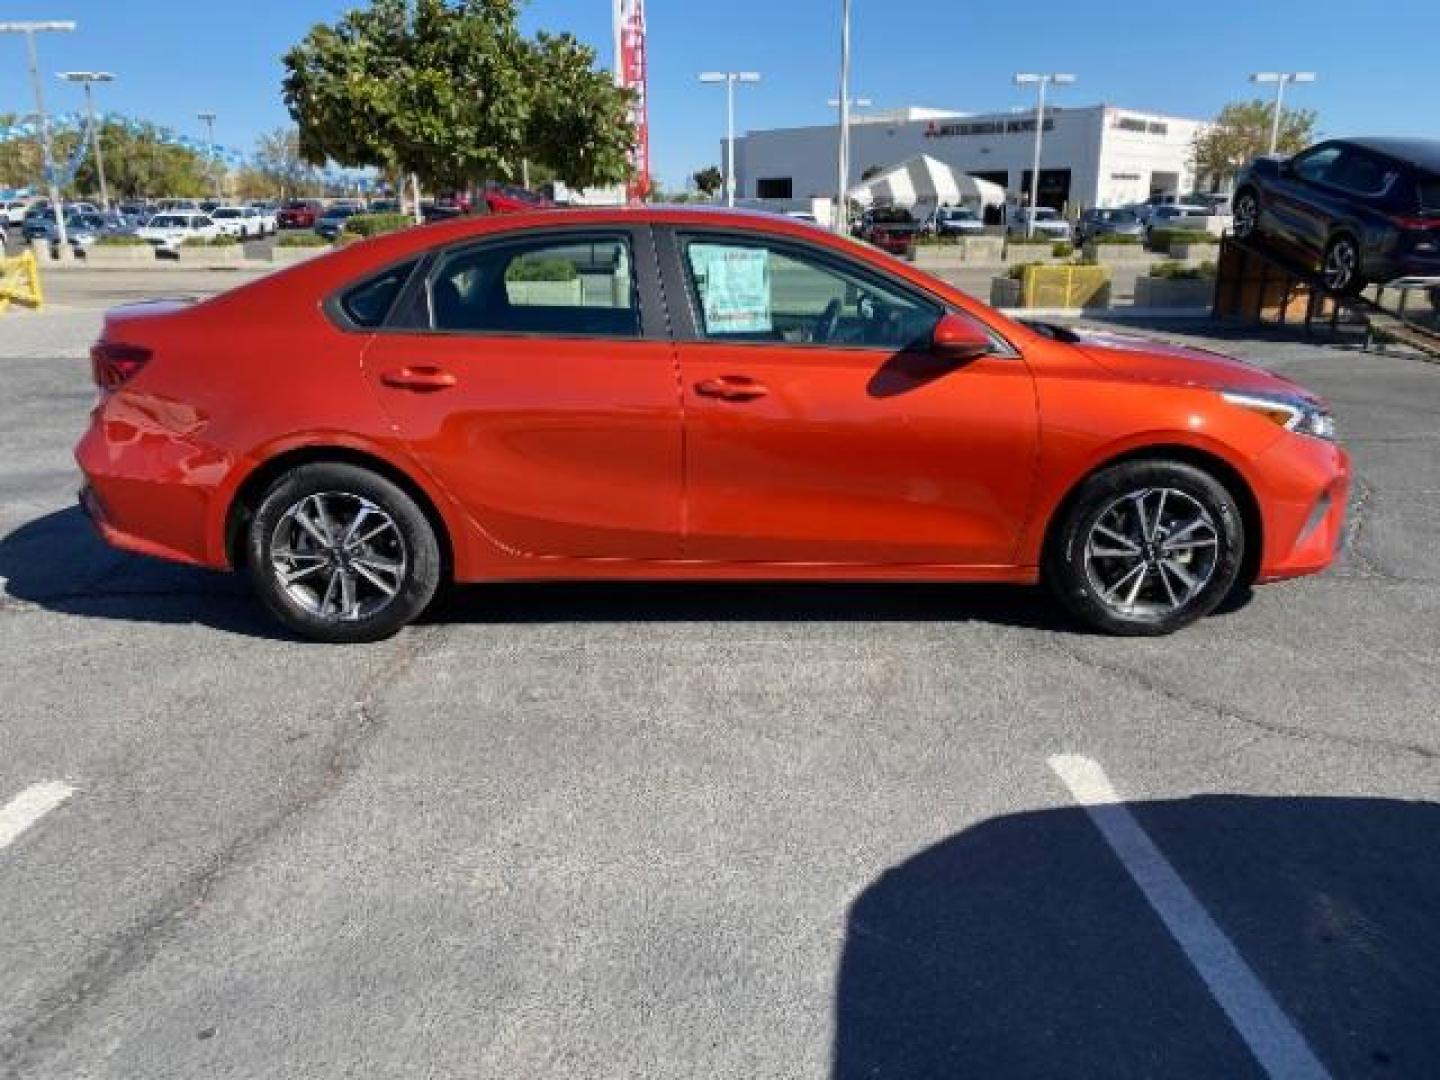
x=1271, y=1035
x=30, y=806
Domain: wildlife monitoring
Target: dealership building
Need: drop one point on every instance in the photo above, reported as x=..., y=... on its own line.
x=1098, y=155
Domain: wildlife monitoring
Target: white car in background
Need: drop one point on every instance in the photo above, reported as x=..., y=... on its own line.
x=167, y=231
x=269, y=217
x=1049, y=225
x=12, y=211
x=241, y=222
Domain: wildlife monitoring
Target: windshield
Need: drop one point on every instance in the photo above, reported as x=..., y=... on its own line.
x=1044, y=213
x=1116, y=216
x=226, y=213
x=958, y=214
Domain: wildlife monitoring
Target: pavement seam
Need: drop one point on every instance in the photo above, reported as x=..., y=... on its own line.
x=130, y=950
x=1228, y=714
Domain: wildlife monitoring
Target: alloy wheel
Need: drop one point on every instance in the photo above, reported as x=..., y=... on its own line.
x=1247, y=216
x=1151, y=552
x=338, y=556
x=1341, y=263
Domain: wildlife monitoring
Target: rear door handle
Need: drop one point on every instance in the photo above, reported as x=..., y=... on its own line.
x=731, y=388
x=424, y=378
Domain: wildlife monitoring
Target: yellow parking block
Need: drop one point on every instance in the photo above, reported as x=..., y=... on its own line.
x=20, y=282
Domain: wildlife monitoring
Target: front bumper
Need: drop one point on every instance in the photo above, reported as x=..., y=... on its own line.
x=1303, y=501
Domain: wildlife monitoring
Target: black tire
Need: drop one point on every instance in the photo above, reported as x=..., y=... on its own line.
x=1246, y=214
x=1341, y=267
x=1076, y=570
x=407, y=549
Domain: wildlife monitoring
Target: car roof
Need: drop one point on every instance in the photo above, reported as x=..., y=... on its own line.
x=1422, y=152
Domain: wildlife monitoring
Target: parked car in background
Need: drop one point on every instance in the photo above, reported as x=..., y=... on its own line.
x=166, y=232
x=12, y=212
x=506, y=199
x=1049, y=225
x=85, y=229
x=1100, y=221
x=172, y=205
x=892, y=229
x=956, y=221
x=384, y=206
x=1365, y=210
x=268, y=211
x=794, y=406
x=332, y=222
x=242, y=222
x=1181, y=217
x=300, y=214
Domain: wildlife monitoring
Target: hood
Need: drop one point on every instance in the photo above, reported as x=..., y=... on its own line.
x=1146, y=360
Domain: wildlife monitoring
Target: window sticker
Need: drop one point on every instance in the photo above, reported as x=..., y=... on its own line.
x=734, y=286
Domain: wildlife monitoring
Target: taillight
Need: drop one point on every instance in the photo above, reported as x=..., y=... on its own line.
x=1428, y=224
x=113, y=364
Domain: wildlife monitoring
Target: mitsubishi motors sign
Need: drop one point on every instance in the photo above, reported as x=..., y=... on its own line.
x=630, y=73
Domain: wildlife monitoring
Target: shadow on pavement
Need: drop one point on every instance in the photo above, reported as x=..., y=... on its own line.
x=59, y=563
x=1022, y=948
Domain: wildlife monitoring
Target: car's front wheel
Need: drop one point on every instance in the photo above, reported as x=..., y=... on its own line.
x=341, y=554
x=1146, y=547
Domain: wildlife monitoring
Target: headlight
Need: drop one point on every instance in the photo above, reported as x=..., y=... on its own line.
x=1287, y=411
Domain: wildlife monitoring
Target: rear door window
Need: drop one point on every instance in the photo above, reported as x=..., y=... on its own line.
x=578, y=286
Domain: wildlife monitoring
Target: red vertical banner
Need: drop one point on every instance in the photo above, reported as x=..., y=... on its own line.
x=630, y=73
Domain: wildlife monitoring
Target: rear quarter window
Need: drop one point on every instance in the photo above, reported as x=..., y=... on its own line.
x=368, y=304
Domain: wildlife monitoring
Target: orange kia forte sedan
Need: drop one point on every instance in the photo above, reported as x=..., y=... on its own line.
x=679, y=393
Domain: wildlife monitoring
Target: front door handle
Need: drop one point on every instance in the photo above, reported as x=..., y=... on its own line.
x=731, y=388
x=424, y=378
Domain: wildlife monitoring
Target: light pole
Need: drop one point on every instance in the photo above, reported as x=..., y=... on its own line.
x=1041, y=81
x=209, y=120
x=88, y=79
x=1280, y=78
x=729, y=78
x=30, y=29
x=843, y=102
x=845, y=107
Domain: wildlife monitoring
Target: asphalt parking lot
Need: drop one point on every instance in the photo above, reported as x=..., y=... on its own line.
x=717, y=831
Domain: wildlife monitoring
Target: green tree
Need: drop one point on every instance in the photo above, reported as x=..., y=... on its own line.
x=452, y=91
x=709, y=180
x=281, y=167
x=137, y=162
x=1242, y=132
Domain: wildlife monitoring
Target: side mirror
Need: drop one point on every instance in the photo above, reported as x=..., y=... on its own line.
x=958, y=339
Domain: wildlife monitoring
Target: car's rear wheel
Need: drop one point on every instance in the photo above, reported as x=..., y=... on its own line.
x=1341, y=268
x=341, y=554
x=1246, y=212
x=1146, y=547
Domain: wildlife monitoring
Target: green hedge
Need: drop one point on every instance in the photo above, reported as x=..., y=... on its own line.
x=1062, y=249
x=1182, y=271
x=301, y=240
x=121, y=240
x=530, y=268
x=223, y=240
x=1161, y=239
x=376, y=224
x=1114, y=240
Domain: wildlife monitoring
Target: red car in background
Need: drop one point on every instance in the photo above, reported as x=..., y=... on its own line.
x=890, y=228
x=510, y=199
x=299, y=214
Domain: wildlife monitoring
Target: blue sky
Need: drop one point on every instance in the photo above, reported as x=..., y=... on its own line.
x=1376, y=72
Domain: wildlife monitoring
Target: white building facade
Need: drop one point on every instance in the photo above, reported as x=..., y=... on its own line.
x=1098, y=155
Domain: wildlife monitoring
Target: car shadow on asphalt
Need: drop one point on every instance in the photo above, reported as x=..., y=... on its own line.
x=1021, y=947
x=57, y=562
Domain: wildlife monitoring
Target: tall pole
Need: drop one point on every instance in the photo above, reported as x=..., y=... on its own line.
x=89, y=79
x=1275, y=120
x=729, y=78
x=30, y=29
x=843, y=154
x=209, y=119
x=1035, y=164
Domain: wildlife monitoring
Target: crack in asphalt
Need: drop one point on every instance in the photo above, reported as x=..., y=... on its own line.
x=129, y=950
x=1221, y=712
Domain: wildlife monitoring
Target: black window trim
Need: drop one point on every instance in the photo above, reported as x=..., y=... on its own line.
x=685, y=314
x=334, y=304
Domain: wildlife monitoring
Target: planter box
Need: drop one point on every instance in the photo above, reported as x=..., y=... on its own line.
x=1066, y=285
x=1023, y=253
x=119, y=255
x=288, y=256
x=1113, y=254
x=1004, y=292
x=1174, y=292
x=1201, y=251
x=225, y=255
